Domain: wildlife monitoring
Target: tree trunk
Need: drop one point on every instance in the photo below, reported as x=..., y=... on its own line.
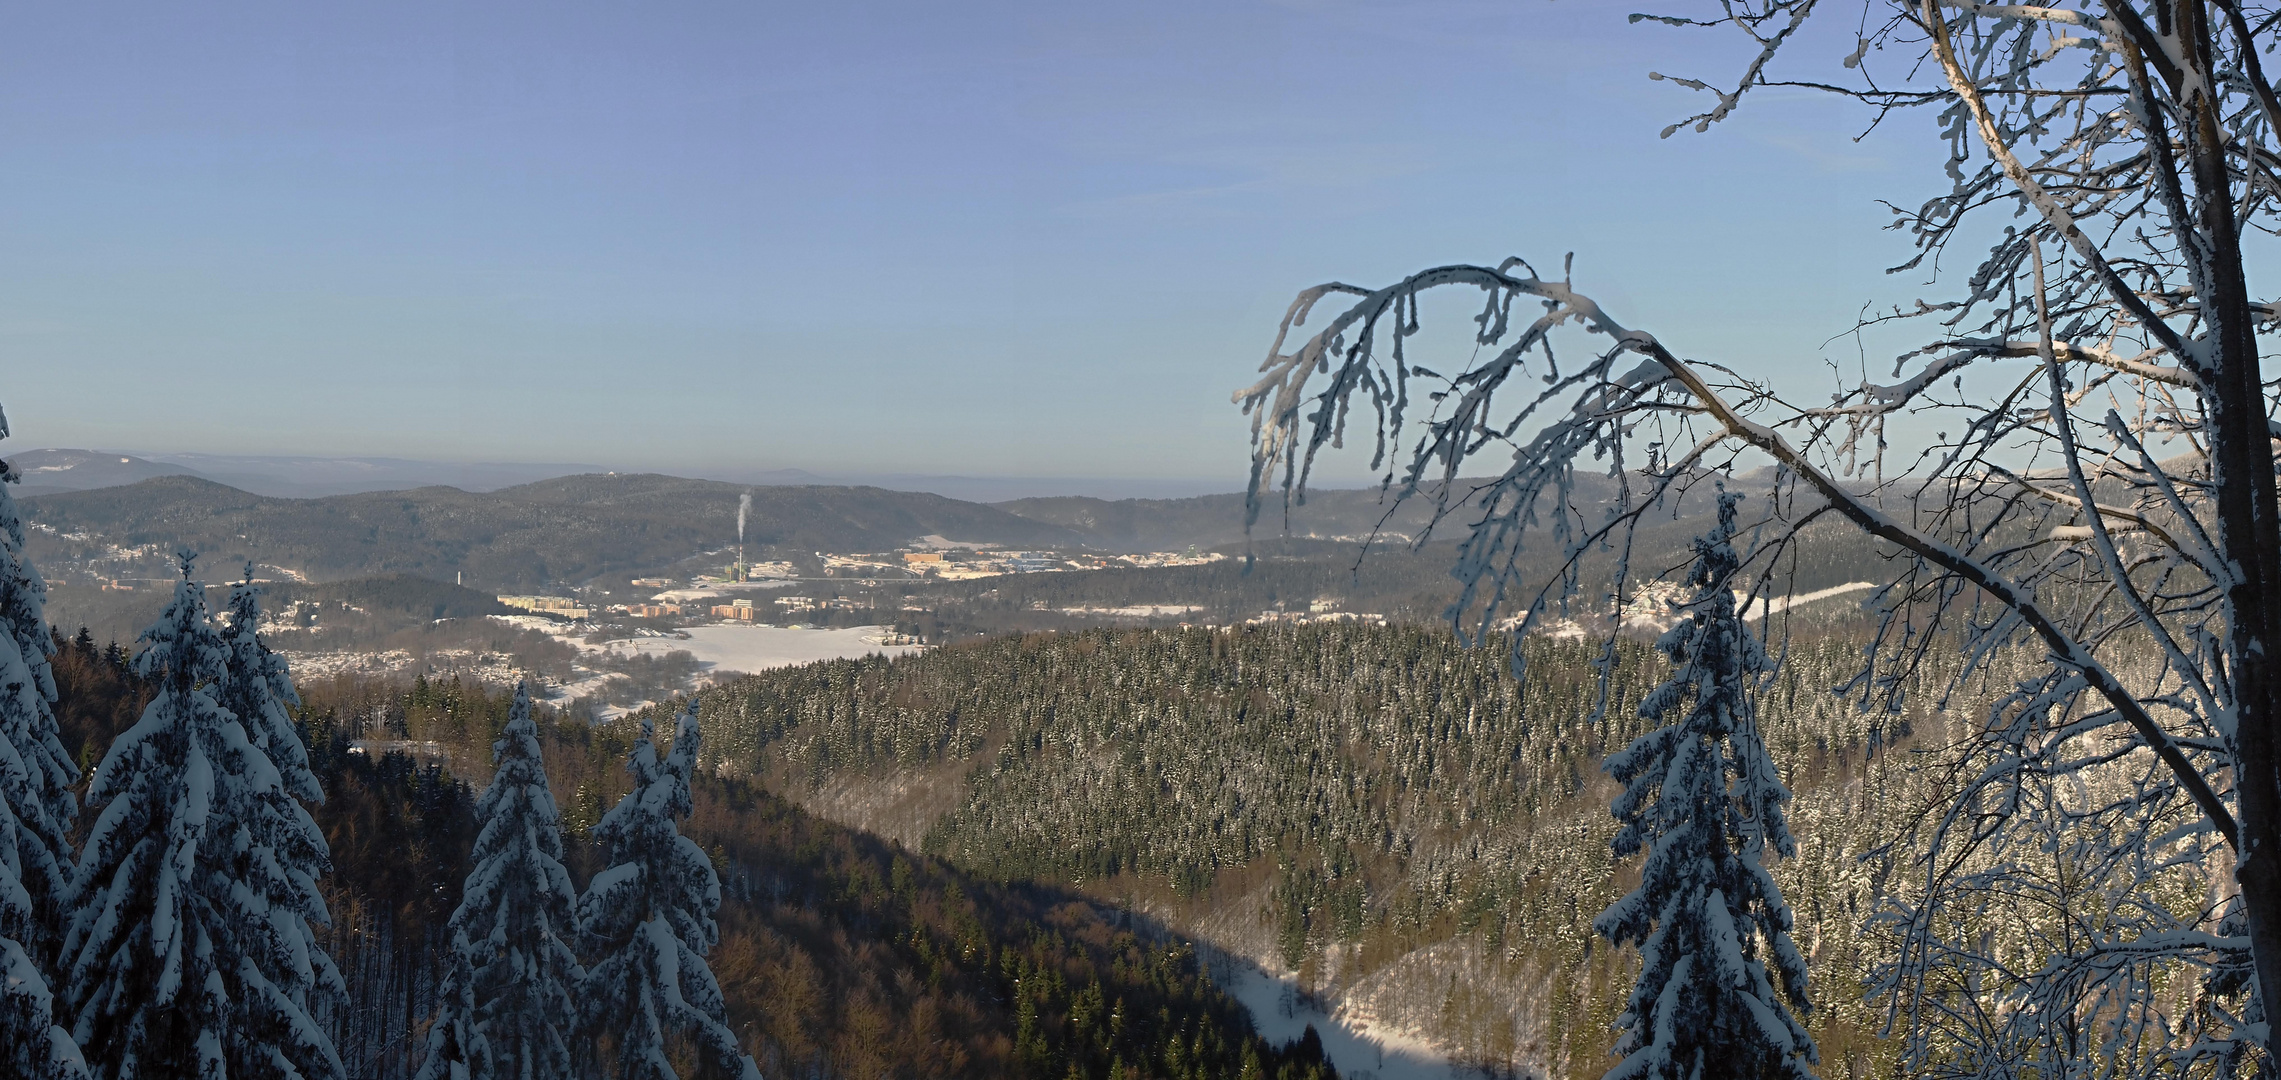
x=2248, y=519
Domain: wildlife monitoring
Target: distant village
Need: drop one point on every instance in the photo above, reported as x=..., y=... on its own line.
x=710, y=596
x=758, y=593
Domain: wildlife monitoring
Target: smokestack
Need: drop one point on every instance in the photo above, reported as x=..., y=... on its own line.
x=744, y=506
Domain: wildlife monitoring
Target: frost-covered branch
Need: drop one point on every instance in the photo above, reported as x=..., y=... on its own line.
x=2071, y=477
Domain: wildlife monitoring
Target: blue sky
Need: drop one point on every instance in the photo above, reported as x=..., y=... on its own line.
x=991, y=239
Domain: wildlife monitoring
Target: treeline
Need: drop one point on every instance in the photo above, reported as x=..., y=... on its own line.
x=840, y=954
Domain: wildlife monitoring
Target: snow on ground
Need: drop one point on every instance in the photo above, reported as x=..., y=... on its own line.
x=1360, y=1047
x=683, y=596
x=721, y=652
x=718, y=589
x=937, y=542
x=324, y=665
x=486, y=667
x=1781, y=604
x=758, y=648
x=1655, y=608
x=1135, y=611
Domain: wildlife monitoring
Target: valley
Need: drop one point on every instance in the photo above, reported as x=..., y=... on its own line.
x=1272, y=752
x=1379, y=818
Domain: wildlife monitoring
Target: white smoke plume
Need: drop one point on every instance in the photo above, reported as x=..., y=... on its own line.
x=744, y=506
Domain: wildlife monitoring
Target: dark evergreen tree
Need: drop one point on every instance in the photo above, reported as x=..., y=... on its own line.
x=1702, y=799
x=648, y=920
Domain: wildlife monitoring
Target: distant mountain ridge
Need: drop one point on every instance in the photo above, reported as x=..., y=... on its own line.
x=305, y=476
x=566, y=529
x=49, y=471
x=1207, y=521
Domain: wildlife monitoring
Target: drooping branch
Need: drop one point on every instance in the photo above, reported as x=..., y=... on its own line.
x=2064, y=648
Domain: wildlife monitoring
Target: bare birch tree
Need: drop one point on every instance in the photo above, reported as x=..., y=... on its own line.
x=2103, y=495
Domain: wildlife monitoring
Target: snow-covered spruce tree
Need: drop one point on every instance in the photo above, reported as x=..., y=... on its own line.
x=181, y=910
x=647, y=922
x=260, y=691
x=1702, y=799
x=36, y=807
x=257, y=688
x=508, y=1011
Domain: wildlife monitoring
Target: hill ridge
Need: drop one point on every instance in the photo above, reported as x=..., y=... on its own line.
x=564, y=529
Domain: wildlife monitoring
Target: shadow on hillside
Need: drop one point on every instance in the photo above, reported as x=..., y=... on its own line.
x=1283, y=1013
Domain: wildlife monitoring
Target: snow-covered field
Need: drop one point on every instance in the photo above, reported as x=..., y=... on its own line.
x=1359, y=1048
x=758, y=648
x=1134, y=611
x=720, y=651
x=720, y=589
x=1780, y=604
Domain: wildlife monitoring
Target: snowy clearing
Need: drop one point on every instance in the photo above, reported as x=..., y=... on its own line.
x=1135, y=611
x=1781, y=604
x=758, y=648
x=1355, y=1043
x=718, y=589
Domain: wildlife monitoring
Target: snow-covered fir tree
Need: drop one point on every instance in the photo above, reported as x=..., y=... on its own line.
x=508, y=1011
x=257, y=688
x=1703, y=800
x=36, y=808
x=260, y=691
x=183, y=911
x=648, y=921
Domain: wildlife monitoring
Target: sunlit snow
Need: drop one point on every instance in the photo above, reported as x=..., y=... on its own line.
x=759, y=648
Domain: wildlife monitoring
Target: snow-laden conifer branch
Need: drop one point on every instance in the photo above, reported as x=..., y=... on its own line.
x=36, y=811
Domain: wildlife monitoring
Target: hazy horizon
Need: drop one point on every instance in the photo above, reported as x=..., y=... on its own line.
x=318, y=475
x=1006, y=240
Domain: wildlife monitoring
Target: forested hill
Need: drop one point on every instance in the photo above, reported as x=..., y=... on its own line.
x=1206, y=521
x=566, y=529
x=1380, y=810
x=840, y=955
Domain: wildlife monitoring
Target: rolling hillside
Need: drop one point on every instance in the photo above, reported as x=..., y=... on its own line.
x=840, y=955
x=1206, y=521
x=49, y=471
x=1213, y=520
x=563, y=530
x=1392, y=819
